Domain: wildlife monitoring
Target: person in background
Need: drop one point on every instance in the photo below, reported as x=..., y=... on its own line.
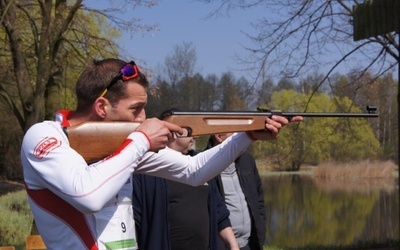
x=80, y=205
x=241, y=186
x=172, y=215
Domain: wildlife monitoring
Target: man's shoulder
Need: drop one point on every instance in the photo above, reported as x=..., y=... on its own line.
x=44, y=129
x=45, y=126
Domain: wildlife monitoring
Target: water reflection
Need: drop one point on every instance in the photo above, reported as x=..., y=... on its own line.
x=301, y=210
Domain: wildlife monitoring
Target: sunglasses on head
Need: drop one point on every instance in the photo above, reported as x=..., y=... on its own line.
x=129, y=71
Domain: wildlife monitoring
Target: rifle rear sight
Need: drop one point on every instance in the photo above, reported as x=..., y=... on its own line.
x=371, y=109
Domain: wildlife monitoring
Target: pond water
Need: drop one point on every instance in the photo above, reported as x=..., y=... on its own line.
x=302, y=210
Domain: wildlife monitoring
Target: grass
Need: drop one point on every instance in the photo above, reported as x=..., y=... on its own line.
x=15, y=220
x=364, y=169
x=361, y=176
x=336, y=170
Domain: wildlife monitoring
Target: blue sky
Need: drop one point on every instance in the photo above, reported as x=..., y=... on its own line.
x=216, y=40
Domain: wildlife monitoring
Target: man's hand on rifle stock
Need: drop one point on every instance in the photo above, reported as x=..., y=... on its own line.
x=158, y=132
x=272, y=127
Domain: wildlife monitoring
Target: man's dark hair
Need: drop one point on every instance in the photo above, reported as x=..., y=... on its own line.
x=97, y=76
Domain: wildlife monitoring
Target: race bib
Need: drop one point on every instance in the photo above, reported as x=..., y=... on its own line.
x=116, y=228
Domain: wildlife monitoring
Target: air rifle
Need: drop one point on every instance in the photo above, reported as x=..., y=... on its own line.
x=97, y=140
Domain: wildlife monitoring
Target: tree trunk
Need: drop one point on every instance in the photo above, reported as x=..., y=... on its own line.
x=24, y=82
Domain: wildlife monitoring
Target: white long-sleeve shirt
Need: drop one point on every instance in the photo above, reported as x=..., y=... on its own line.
x=81, y=206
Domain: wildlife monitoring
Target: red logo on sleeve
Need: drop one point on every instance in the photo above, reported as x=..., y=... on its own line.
x=44, y=147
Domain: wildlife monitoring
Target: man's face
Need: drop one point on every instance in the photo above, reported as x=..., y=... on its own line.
x=182, y=144
x=131, y=107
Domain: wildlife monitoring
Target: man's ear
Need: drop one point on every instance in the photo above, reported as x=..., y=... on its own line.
x=100, y=107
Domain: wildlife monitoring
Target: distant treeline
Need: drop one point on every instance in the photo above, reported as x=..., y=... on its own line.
x=317, y=139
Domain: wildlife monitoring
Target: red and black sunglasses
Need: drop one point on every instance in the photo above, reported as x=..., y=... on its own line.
x=129, y=71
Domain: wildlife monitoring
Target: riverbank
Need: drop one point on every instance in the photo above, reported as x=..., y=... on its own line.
x=328, y=170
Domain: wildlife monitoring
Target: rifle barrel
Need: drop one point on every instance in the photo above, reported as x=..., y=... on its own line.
x=270, y=113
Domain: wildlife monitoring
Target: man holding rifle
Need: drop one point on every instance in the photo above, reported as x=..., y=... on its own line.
x=80, y=205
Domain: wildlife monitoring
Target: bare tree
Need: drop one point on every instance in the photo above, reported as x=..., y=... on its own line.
x=179, y=87
x=181, y=62
x=39, y=37
x=297, y=36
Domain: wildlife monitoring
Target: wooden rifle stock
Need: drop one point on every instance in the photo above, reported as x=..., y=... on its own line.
x=97, y=140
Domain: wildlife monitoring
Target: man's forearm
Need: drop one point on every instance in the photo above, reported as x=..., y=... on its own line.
x=229, y=238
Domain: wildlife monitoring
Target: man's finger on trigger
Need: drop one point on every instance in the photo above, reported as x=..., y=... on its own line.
x=173, y=128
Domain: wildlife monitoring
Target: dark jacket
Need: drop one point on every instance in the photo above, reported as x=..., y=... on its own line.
x=251, y=185
x=151, y=206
